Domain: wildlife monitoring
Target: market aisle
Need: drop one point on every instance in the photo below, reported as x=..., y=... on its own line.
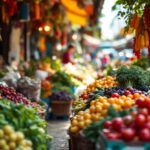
x=58, y=129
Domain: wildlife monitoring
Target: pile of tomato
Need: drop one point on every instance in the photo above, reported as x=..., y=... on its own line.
x=132, y=127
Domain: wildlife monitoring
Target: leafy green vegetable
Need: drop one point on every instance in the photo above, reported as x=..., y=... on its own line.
x=63, y=78
x=143, y=63
x=26, y=120
x=133, y=76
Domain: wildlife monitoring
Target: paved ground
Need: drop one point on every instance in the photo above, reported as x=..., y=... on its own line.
x=58, y=129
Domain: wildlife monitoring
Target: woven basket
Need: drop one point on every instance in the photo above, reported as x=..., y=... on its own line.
x=79, y=142
x=61, y=108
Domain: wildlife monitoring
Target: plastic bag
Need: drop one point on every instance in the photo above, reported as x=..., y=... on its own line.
x=11, y=79
x=29, y=88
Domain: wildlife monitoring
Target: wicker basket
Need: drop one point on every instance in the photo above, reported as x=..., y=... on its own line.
x=61, y=108
x=79, y=142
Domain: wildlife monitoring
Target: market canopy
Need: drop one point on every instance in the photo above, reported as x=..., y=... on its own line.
x=76, y=14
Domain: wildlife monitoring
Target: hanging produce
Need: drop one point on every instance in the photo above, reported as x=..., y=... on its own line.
x=137, y=16
x=11, y=6
x=36, y=10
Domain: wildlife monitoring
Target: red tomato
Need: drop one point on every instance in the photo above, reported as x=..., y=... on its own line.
x=144, y=112
x=117, y=124
x=113, y=136
x=106, y=131
x=128, y=120
x=140, y=120
x=115, y=95
x=140, y=102
x=147, y=125
x=144, y=134
x=128, y=134
x=107, y=124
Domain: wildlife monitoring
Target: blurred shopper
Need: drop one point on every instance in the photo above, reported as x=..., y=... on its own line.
x=68, y=55
x=97, y=63
x=87, y=57
x=105, y=61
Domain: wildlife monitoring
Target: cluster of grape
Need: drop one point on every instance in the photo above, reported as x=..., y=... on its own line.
x=61, y=96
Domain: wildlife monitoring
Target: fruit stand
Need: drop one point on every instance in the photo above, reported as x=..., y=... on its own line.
x=113, y=112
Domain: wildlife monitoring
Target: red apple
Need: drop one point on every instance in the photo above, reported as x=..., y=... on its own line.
x=107, y=124
x=128, y=134
x=140, y=120
x=115, y=95
x=144, y=134
x=117, y=123
x=128, y=120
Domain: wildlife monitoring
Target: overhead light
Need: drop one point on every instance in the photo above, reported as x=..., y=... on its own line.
x=40, y=29
x=47, y=28
x=58, y=47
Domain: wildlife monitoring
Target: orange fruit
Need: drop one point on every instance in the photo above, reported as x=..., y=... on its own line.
x=87, y=116
x=74, y=122
x=117, y=107
x=98, y=108
x=104, y=112
x=136, y=95
x=81, y=124
x=88, y=121
x=111, y=100
x=130, y=95
x=81, y=113
x=80, y=118
x=106, y=105
x=92, y=103
x=121, y=102
x=128, y=104
x=74, y=129
x=92, y=109
x=123, y=97
x=96, y=117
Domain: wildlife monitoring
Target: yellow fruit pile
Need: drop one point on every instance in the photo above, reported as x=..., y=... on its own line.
x=98, y=110
x=106, y=82
x=12, y=140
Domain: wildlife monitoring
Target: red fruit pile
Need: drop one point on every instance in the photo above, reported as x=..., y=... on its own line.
x=12, y=95
x=135, y=126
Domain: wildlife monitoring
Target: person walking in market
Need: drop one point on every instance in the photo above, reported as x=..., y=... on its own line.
x=68, y=55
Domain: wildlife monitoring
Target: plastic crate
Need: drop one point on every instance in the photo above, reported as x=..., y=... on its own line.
x=121, y=145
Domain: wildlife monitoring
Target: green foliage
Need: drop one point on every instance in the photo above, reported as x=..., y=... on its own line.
x=63, y=78
x=56, y=64
x=143, y=63
x=30, y=72
x=133, y=76
x=26, y=120
x=61, y=87
x=128, y=7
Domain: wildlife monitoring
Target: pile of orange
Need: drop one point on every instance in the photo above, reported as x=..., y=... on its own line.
x=106, y=82
x=98, y=110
